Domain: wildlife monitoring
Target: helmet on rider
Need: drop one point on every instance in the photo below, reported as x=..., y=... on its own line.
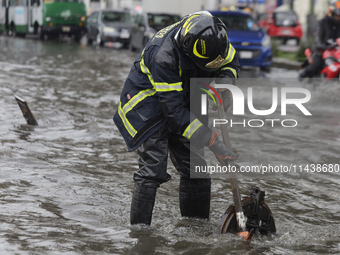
x=204, y=39
x=334, y=11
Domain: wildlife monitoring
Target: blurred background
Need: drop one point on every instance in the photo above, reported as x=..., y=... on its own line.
x=289, y=23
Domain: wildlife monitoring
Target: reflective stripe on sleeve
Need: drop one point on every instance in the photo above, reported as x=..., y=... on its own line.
x=162, y=87
x=159, y=86
x=231, y=55
x=137, y=98
x=191, y=129
x=126, y=123
x=129, y=106
x=231, y=69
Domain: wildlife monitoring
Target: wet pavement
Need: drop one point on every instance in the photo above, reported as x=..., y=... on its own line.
x=65, y=185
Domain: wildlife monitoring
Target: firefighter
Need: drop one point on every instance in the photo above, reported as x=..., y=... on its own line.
x=154, y=114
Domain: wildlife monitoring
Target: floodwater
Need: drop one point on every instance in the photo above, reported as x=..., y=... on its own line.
x=65, y=185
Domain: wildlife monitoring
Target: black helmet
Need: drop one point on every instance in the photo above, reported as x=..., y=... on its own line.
x=204, y=39
x=334, y=9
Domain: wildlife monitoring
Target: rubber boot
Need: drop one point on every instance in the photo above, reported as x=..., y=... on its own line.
x=143, y=200
x=194, y=198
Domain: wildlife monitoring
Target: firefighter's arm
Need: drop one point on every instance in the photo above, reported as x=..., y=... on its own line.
x=184, y=122
x=165, y=76
x=168, y=85
x=228, y=74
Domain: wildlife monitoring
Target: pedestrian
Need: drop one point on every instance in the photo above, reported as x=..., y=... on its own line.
x=154, y=114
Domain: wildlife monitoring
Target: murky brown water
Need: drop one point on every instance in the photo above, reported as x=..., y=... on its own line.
x=65, y=186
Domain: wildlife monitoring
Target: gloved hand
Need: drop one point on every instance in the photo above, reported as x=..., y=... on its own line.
x=222, y=153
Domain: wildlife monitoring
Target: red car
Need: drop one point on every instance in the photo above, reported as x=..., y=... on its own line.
x=281, y=24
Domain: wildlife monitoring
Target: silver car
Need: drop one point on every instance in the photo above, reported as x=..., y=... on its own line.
x=109, y=26
x=146, y=25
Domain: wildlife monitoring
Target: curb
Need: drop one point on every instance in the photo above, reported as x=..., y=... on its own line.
x=285, y=63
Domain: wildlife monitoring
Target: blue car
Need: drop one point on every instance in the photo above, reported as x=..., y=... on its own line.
x=250, y=41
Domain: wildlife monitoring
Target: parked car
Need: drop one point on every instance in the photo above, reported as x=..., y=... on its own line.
x=148, y=24
x=282, y=24
x=251, y=42
x=109, y=26
x=263, y=19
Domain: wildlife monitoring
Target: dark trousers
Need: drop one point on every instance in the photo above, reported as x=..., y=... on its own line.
x=152, y=159
x=313, y=69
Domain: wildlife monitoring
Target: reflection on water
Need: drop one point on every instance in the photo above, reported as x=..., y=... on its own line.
x=66, y=184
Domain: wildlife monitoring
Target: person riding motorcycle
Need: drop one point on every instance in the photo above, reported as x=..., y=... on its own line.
x=154, y=114
x=327, y=28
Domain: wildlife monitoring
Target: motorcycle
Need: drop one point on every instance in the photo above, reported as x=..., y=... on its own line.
x=331, y=58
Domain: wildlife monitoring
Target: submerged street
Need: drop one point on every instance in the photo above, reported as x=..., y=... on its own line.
x=66, y=185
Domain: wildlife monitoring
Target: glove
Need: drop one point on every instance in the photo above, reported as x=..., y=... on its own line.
x=220, y=150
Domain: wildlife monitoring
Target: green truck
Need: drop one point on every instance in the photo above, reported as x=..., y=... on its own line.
x=47, y=18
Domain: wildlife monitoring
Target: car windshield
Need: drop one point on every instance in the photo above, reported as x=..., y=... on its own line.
x=239, y=22
x=285, y=18
x=262, y=16
x=286, y=15
x=116, y=17
x=160, y=21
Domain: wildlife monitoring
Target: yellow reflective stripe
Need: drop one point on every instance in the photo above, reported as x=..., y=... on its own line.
x=129, y=106
x=159, y=86
x=196, y=52
x=180, y=69
x=137, y=98
x=191, y=129
x=231, y=55
x=231, y=69
x=145, y=69
x=188, y=25
x=126, y=123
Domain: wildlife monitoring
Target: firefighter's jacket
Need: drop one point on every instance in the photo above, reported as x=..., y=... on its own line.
x=157, y=88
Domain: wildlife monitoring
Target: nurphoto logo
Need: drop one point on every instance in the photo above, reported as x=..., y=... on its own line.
x=238, y=104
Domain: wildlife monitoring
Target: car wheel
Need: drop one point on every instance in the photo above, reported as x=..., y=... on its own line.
x=43, y=36
x=77, y=37
x=126, y=45
x=265, y=69
x=89, y=40
x=131, y=47
x=99, y=40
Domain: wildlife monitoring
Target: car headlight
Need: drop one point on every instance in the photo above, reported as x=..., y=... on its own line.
x=48, y=19
x=108, y=29
x=266, y=41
